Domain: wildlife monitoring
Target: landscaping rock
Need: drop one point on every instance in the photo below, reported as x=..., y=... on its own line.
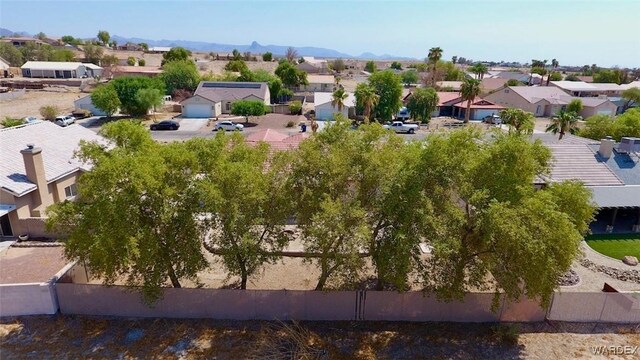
x=630, y=260
x=569, y=278
x=623, y=275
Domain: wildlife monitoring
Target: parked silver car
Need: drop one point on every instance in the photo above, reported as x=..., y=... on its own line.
x=228, y=126
x=65, y=120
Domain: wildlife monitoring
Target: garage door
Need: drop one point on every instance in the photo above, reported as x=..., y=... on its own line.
x=197, y=111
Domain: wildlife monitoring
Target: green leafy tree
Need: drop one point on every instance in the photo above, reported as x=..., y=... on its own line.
x=490, y=230
x=337, y=99
x=104, y=37
x=598, y=126
x=29, y=51
x=632, y=96
x=554, y=76
x=11, y=54
x=564, y=122
x=409, y=77
x=608, y=76
x=144, y=46
x=423, y=102
x=49, y=112
x=175, y=54
x=454, y=59
x=267, y=56
x=109, y=60
x=40, y=36
x=105, y=98
x=135, y=218
x=148, y=99
x=469, y=90
x=575, y=106
x=370, y=66
x=246, y=196
x=366, y=99
x=131, y=61
x=338, y=65
x=127, y=89
x=248, y=108
x=180, y=75
x=435, y=54
x=295, y=107
x=236, y=66
x=290, y=75
x=395, y=65
x=68, y=39
x=388, y=87
x=518, y=120
x=64, y=55
x=93, y=53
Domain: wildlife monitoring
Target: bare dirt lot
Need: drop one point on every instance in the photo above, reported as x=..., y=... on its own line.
x=70, y=337
x=30, y=103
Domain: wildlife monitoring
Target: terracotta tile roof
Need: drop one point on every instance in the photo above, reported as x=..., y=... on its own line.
x=579, y=162
x=445, y=97
x=479, y=103
x=277, y=140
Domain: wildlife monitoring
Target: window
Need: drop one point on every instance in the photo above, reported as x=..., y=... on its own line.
x=71, y=191
x=538, y=109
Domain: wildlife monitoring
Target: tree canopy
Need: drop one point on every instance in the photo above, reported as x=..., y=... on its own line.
x=180, y=75
x=135, y=216
x=290, y=75
x=409, y=77
x=127, y=89
x=248, y=108
x=105, y=98
x=422, y=102
x=388, y=87
x=518, y=120
x=104, y=37
x=175, y=54
x=598, y=126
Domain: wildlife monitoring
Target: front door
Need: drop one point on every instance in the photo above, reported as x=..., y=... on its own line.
x=5, y=226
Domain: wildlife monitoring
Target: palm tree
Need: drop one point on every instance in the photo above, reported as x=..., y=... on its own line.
x=434, y=56
x=367, y=99
x=554, y=67
x=566, y=121
x=338, y=98
x=469, y=90
x=518, y=120
x=479, y=69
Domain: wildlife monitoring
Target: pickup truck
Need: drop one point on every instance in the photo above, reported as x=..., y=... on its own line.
x=400, y=127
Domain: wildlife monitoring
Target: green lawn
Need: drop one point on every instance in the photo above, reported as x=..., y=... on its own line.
x=616, y=245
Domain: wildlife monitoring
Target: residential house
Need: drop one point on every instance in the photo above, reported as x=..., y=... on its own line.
x=583, y=89
x=312, y=65
x=325, y=110
x=318, y=83
x=276, y=140
x=159, y=49
x=19, y=41
x=130, y=47
x=489, y=85
x=59, y=70
x=480, y=108
x=608, y=169
x=512, y=75
x=38, y=169
x=213, y=98
x=546, y=101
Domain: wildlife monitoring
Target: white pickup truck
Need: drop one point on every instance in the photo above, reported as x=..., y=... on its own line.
x=400, y=127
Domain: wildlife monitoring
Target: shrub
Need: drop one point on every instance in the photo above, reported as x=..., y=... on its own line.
x=142, y=62
x=291, y=123
x=49, y=112
x=295, y=107
x=131, y=61
x=81, y=113
x=10, y=122
x=506, y=333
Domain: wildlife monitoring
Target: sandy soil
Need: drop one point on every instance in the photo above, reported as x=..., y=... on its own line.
x=30, y=103
x=103, y=337
x=217, y=66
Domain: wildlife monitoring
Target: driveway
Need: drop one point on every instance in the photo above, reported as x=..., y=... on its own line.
x=191, y=125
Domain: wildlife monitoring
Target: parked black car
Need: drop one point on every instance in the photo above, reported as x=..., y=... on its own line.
x=165, y=125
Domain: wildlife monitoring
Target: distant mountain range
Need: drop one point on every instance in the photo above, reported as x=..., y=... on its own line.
x=254, y=47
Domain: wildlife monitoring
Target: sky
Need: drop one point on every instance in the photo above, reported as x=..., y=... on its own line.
x=575, y=32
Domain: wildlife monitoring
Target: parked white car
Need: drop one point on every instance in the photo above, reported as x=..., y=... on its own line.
x=228, y=126
x=403, y=114
x=400, y=127
x=65, y=120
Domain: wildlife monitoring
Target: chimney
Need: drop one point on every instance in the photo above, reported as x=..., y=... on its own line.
x=34, y=166
x=606, y=147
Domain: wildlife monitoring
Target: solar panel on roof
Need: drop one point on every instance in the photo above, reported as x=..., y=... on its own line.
x=238, y=85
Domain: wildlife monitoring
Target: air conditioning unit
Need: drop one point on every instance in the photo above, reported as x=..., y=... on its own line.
x=629, y=145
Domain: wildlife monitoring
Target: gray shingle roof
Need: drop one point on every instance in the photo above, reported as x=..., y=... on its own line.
x=217, y=91
x=58, y=145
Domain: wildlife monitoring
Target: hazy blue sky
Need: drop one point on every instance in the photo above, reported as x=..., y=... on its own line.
x=604, y=32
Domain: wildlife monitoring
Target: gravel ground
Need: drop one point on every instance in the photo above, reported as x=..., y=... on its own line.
x=70, y=337
x=30, y=103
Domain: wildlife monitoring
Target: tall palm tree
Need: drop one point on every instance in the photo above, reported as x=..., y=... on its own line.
x=338, y=98
x=566, y=121
x=469, y=90
x=367, y=99
x=518, y=120
x=435, y=53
